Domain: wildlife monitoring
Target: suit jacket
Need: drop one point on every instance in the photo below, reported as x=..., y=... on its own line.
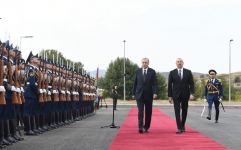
x=180, y=87
x=147, y=87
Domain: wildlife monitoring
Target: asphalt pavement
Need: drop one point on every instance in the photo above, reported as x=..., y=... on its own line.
x=87, y=134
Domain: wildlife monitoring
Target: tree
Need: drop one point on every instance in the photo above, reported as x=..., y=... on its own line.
x=237, y=79
x=162, y=86
x=101, y=83
x=199, y=88
x=225, y=86
x=114, y=76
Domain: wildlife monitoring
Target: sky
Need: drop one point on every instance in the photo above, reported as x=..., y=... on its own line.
x=92, y=31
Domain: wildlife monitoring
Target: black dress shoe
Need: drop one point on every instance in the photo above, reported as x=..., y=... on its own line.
x=30, y=133
x=145, y=130
x=37, y=131
x=179, y=131
x=209, y=118
x=6, y=142
x=10, y=139
x=2, y=145
x=41, y=130
x=140, y=131
x=16, y=137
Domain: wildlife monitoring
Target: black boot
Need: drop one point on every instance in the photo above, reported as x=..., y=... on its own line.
x=209, y=114
x=45, y=122
x=34, y=125
x=27, y=126
x=57, y=119
x=2, y=145
x=13, y=130
x=52, y=120
x=7, y=134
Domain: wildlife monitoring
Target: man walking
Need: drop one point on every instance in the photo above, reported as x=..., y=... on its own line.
x=180, y=90
x=144, y=91
x=213, y=94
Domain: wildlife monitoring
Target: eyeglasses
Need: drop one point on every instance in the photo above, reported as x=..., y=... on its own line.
x=212, y=73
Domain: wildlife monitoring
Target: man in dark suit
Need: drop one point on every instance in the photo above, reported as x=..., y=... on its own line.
x=180, y=90
x=144, y=91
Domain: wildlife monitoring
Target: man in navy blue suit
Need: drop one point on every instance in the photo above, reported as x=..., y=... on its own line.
x=144, y=91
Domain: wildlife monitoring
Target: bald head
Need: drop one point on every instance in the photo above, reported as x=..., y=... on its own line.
x=145, y=62
x=179, y=63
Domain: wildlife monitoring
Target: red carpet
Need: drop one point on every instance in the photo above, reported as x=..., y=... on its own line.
x=162, y=136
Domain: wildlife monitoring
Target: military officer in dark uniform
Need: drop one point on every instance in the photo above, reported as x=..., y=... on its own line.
x=213, y=94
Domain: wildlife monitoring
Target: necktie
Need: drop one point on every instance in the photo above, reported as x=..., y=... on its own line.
x=180, y=73
x=144, y=75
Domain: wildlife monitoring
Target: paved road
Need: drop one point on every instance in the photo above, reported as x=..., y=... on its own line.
x=227, y=131
x=87, y=134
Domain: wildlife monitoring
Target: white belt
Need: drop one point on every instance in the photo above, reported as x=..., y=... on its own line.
x=55, y=92
x=29, y=83
x=18, y=90
x=63, y=92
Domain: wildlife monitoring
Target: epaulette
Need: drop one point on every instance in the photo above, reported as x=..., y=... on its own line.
x=219, y=80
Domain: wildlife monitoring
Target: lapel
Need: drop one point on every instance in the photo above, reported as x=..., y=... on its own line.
x=147, y=74
x=140, y=72
x=183, y=74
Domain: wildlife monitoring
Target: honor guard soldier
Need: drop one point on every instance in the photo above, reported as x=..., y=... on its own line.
x=31, y=94
x=48, y=105
x=10, y=96
x=2, y=96
x=213, y=94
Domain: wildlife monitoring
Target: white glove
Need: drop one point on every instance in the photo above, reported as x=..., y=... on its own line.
x=40, y=91
x=205, y=100
x=18, y=90
x=44, y=91
x=2, y=89
x=220, y=100
x=22, y=89
x=13, y=88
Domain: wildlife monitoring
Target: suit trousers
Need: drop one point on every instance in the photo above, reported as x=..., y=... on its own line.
x=180, y=104
x=144, y=105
